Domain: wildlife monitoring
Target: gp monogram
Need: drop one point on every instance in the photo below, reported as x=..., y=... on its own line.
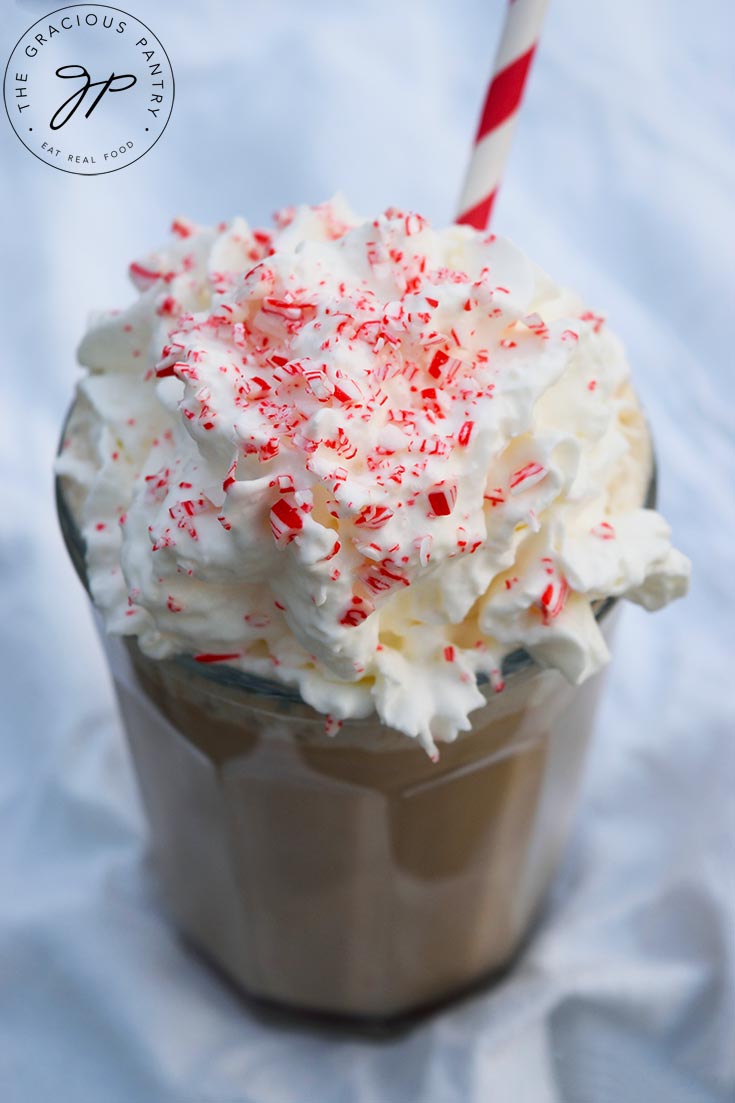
x=88, y=89
x=114, y=83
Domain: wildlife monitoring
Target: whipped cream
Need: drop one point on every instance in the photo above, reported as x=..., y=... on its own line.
x=365, y=458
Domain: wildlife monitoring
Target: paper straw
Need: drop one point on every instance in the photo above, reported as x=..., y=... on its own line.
x=500, y=113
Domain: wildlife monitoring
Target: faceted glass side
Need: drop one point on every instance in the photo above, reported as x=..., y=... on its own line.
x=350, y=875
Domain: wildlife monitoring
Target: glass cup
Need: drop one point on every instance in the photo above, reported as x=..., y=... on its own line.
x=348, y=875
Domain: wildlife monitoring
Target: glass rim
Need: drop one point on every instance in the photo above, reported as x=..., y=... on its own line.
x=513, y=664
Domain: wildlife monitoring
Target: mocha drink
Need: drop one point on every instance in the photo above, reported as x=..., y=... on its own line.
x=331, y=479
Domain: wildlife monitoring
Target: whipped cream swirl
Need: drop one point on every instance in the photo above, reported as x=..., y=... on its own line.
x=365, y=458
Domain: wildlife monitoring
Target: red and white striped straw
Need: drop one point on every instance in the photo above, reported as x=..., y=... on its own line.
x=500, y=113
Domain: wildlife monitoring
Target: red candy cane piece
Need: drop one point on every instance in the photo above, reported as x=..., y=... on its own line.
x=171, y=369
x=286, y=521
x=442, y=499
x=526, y=477
x=291, y=311
x=553, y=599
x=335, y=548
x=182, y=227
x=374, y=517
x=495, y=497
x=359, y=610
x=424, y=545
x=284, y=483
x=142, y=277
x=230, y=479
x=463, y=437
x=438, y=360
x=536, y=324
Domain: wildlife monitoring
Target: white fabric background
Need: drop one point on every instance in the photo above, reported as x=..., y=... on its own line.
x=620, y=183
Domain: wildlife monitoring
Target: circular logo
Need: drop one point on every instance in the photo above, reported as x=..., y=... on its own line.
x=89, y=89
